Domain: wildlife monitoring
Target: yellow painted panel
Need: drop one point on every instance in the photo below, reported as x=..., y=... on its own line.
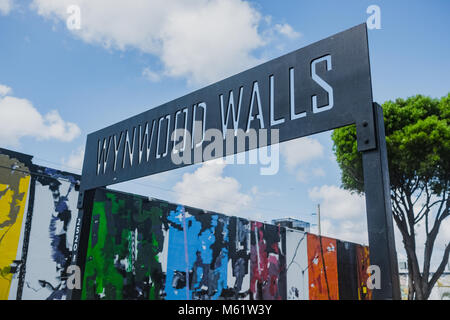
x=14, y=186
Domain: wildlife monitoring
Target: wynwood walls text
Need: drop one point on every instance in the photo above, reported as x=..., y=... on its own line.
x=317, y=88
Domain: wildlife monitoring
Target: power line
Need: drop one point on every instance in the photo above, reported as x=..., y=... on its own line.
x=207, y=198
x=155, y=187
x=58, y=164
x=33, y=173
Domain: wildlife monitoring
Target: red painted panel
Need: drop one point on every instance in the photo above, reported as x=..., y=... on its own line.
x=267, y=263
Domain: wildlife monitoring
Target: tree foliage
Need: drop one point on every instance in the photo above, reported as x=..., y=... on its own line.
x=418, y=145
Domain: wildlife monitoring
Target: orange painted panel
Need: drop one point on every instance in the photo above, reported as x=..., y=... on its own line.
x=323, y=282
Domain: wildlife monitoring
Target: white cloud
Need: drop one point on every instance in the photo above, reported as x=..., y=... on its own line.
x=351, y=230
x=19, y=118
x=318, y=172
x=203, y=40
x=6, y=6
x=304, y=175
x=208, y=189
x=286, y=30
x=150, y=75
x=75, y=160
x=300, y=152
x=260, y=194
x=301, y=175
x=444, y=233
x=4, y=90
x=337, y=203
x=211, y=41
x=342, y=213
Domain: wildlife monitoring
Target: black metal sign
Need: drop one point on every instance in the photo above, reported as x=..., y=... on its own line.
x=320, y=87
x=317, y=88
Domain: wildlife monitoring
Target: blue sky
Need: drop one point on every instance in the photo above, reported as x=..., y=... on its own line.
x=130, y=56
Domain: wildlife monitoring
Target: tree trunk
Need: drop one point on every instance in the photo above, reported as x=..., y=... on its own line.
x=419, y=284
x=410, y=282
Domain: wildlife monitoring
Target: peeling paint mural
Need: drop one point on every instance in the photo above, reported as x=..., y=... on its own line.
x=52, y=231
x=347, y=270
x=268, y=262
x=239, y=260
x=37, y=205
x=198, y=259
x=322, y=260
x=362, y=263
x=124, y=254
x=297, y=265
x=144, y=248
x=14, y=189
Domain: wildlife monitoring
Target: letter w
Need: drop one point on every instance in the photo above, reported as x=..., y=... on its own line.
x=226, y=115
x=102, y=154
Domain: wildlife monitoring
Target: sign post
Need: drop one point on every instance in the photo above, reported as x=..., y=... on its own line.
x=320, y=87
x=379, y=213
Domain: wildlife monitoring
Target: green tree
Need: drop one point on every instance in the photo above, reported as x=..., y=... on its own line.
x=418, y=145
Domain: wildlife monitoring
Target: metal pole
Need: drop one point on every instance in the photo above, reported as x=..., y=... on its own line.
x=379, y=214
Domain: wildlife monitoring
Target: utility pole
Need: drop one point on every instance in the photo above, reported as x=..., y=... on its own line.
x=318, y=218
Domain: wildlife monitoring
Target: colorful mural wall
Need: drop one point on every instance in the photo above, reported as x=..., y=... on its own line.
x=126, y=242
x=51, y=232
x=143, y=248
x=268, y=262
x=200, y=262
x=37, y=210
x=362, y=263
x=150, y=249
